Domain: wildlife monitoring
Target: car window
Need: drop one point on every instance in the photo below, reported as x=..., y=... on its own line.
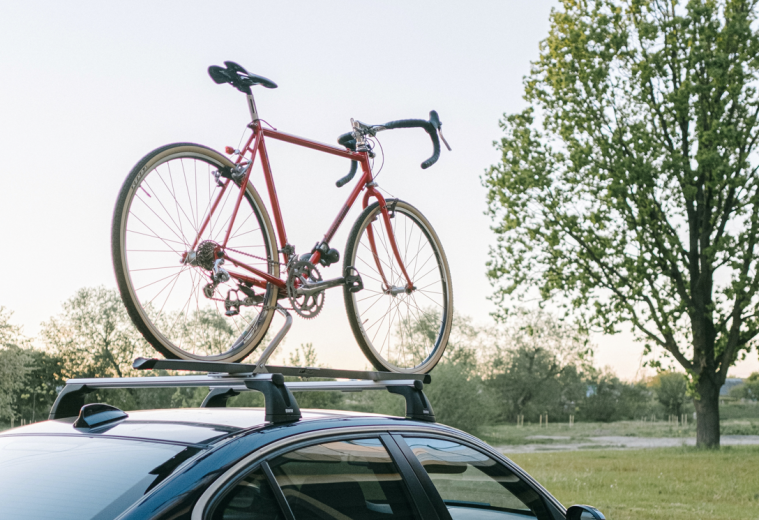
x=251, y=499
x=77, y=478
x=473, y=485
x=342, y=480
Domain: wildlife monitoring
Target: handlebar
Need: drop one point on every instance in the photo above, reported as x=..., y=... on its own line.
x=432, y=127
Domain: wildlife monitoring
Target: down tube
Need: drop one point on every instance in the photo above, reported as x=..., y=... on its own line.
x=365, y=178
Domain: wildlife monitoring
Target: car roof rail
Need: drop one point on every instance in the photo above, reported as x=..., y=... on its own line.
x=226, y=380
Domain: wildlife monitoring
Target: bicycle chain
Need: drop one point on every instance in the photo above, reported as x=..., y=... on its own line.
x=255, y=256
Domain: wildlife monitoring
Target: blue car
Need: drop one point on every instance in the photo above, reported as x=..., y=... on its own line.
x=94, y=461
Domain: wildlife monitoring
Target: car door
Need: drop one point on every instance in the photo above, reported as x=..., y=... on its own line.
x=465, y=482
x=356, y=477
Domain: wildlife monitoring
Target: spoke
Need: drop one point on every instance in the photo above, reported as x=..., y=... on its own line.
x=149, y=229
x=158, y=199
x=154, y=236
x=433, y=283
x=241, y=224
x=430, y=299
x=156, y=268
x=243, y=234
x=189, y=197
x=173, y=192
x=159, y=280
x=179, y=235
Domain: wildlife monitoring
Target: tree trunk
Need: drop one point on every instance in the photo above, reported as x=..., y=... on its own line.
x=707, y=412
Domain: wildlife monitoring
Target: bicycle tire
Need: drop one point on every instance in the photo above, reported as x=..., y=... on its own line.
x=422, y=332
x=145, y=219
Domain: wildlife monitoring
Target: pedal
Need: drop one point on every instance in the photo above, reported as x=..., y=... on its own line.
x=353, y=279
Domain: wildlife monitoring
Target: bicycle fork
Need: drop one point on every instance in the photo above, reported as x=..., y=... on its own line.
x=388, y=289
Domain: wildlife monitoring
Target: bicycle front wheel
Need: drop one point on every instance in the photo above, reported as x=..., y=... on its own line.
x=172, y=302
x=399, y=330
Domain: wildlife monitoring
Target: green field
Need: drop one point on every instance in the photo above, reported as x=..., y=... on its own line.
x=672, y=484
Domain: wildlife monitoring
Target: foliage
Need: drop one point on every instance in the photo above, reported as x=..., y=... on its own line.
x=14, y=364
x=628, y=190
x=670, y=389
x=537, y=366
x=94, y=336
x=609, y=399
x=41, y=384
x=749, y=389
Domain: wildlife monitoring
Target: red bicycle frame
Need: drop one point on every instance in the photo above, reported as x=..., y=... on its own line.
x=255, y=146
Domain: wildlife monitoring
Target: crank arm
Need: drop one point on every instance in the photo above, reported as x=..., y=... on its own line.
x=310, y=289
x=352, y=279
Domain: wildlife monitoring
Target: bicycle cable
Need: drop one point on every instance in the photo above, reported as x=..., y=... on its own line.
x=382, y=151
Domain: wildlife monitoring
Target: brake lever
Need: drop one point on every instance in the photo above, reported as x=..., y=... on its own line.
x=440, y=133
x=438, y=125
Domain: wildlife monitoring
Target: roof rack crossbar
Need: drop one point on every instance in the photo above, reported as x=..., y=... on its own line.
x=244, y=368
x=226, y=380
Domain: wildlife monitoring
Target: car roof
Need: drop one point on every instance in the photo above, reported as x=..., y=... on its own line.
x=180, y=425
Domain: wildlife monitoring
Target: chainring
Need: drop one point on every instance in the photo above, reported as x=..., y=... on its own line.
x=305, y=306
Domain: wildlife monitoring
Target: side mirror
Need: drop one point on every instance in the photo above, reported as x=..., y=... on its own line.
x=584, y=513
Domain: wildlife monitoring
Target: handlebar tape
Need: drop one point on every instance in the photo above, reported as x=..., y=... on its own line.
x=345, y=180
x=349, y=142
x=431, y=127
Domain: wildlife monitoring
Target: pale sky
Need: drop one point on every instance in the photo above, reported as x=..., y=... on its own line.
x=88, y=88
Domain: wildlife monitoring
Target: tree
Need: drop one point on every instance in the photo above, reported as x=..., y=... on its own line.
x=537, y=366
x=94, y=335
x=41, y=385
x=14, y=364
x=628, y=191
x=670, y=389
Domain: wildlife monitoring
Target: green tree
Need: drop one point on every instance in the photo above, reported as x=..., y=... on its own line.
x=671, y=390
x=94, y=336
x=628, y=191
x=15, y=364
x=43, y=380
x=537, y=366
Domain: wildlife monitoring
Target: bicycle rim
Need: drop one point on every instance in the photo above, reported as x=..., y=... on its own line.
x=404, y=332
x=162, y=205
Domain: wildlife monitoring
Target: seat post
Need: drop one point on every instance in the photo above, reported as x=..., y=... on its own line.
x=252, y=108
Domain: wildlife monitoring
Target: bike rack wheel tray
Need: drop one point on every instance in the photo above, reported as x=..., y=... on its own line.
x=226, y=380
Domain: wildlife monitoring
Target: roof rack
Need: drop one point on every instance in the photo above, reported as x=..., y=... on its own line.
x=226, y=380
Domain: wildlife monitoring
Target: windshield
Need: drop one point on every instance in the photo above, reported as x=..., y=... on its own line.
x=80, y=478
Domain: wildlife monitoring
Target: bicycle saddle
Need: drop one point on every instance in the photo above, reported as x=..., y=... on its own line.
x=238, y=77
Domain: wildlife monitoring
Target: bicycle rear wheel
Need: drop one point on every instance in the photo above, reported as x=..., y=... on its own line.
x=399, y=331
x=159, y=211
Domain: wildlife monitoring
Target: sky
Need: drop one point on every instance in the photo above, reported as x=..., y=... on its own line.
x=88, y=88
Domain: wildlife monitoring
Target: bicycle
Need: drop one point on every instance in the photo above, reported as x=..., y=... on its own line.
x=186, y=213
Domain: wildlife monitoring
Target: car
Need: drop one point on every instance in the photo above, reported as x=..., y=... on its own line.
x=94, y=461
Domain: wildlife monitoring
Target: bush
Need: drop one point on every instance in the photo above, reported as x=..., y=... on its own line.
x=609, y=399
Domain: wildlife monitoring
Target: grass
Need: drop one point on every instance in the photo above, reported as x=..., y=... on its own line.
x=672, y=484
x=511, y=434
